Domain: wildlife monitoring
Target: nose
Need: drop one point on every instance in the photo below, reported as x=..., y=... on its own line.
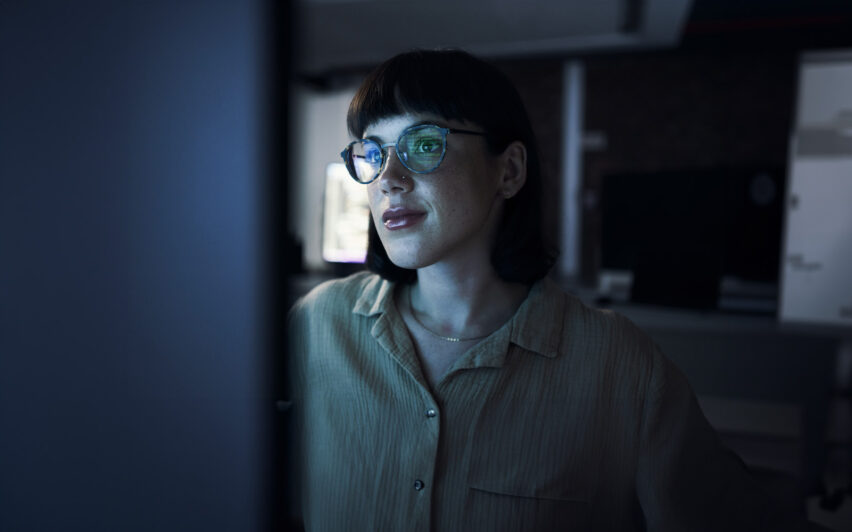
x=394, y=177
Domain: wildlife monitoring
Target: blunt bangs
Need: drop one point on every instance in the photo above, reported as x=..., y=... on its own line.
x=455, y=85
x=449, y=83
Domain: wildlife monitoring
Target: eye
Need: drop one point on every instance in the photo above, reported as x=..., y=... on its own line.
x=421, y=148
x=372, y=153
x=427, y=145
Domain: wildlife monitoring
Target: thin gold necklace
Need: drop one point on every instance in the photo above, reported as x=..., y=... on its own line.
x=433, y=333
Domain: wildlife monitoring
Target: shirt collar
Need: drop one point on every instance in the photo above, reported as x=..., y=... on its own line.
x=536, y=326
x=375, y=297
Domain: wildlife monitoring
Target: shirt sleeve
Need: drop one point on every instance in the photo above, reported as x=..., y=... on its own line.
x=686, y=479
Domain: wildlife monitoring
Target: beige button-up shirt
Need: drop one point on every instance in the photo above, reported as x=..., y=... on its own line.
x=566, y=418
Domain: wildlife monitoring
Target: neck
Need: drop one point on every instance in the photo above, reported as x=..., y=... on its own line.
x=456, y=304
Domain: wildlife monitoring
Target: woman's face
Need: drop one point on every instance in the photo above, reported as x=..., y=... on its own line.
x=447, y=215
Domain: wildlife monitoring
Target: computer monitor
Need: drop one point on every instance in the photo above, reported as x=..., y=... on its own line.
x=705, y=238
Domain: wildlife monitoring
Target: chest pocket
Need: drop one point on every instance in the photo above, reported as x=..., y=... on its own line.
x=526, y=474
x=531, y=491
x=500, y=506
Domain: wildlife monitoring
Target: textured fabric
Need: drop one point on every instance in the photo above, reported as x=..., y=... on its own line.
x=566, y=418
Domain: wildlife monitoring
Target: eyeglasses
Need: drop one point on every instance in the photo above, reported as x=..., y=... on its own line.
x=420, y=148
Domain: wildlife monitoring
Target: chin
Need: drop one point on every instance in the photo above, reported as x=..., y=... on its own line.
x=410, y=259
x=405, y=261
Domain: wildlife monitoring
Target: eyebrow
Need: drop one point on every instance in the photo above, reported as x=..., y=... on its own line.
x=425, y=122
x=415, y=124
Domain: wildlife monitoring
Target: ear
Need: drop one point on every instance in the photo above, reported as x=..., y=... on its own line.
x=513, y=162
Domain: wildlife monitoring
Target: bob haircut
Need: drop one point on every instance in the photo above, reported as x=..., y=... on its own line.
x=457, y=86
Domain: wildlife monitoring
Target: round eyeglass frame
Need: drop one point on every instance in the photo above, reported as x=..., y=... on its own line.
x=383, y=150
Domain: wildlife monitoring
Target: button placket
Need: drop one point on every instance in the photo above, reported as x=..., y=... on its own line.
x=423, y=464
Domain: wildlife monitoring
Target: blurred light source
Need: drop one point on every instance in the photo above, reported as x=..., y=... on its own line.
x=345, y=217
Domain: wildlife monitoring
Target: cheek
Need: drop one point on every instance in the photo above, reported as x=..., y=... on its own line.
x=469, y=199
x=374, y=196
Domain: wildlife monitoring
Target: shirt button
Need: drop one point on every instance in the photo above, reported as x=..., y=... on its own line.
x=418, y=484
x=431, y=413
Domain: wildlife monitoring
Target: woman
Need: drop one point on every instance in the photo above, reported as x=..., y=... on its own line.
x=455, y=387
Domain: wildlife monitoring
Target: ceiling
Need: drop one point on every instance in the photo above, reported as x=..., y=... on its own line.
x=334, y=35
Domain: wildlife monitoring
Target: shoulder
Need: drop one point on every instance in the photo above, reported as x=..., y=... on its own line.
x=336, y=296
x=323, y=318
x=602, y=328
x=558, y=323
x=608, y=341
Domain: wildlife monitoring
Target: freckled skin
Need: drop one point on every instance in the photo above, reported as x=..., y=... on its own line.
x=461, y=198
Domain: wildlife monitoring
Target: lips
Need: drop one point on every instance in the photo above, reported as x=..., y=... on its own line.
x=401, y=217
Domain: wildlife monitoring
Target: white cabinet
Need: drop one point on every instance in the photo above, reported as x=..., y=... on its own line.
x=816, y=270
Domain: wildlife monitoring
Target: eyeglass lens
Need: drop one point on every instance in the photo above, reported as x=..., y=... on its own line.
x=420, y=149
x=364, y=160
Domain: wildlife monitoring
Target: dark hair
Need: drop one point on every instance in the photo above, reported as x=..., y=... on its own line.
x=457, y=86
